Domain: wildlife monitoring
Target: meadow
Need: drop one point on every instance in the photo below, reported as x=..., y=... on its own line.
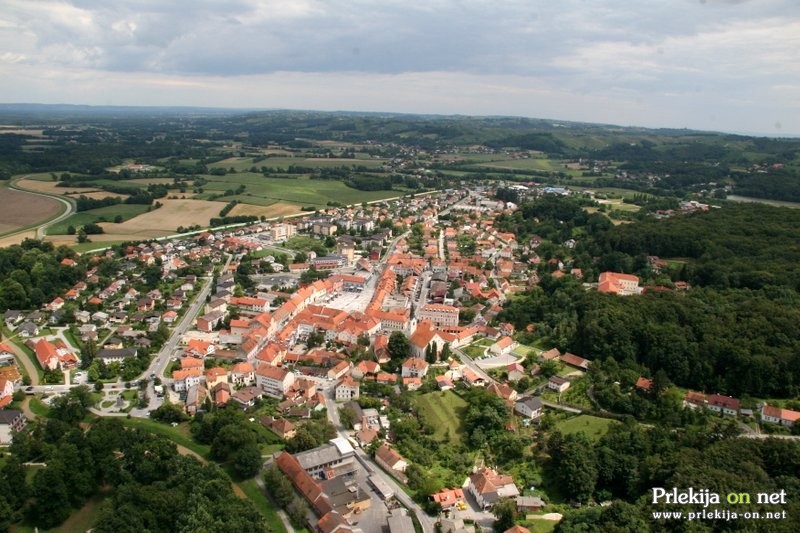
x=444, y=411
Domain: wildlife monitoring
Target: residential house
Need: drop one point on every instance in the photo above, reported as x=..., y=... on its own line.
x=515, y=372
x=558, y=384
x=347, y=389
x=723, y=404
x=776, y=415
x=243, y=374
x=388, y=458
x=448, y=498
x=414, y=367
x=529, y=407
x=11, y=421
x=503, y=346
x=487, y=486
x=196, y=396
x=215, y=376
x=280, y=426
x=186, y=378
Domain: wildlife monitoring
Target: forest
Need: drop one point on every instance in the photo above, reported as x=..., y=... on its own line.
x=733, y=332
x=145, y=484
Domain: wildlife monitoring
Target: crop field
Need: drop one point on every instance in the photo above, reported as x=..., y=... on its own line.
x=21, y=210
x=444, y=411
x=101, y=214
x=298, y=190
x=162, y=221
x=275, y=209
x=241, y=164
x=49, y=187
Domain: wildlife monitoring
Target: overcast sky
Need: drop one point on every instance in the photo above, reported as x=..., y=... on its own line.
x=727, y=65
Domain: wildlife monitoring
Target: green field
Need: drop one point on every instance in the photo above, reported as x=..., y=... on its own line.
x=594, y=427
x=242, y=164
x=444, y=411
x=297, y=189
x=179, y=434
x=101, y=214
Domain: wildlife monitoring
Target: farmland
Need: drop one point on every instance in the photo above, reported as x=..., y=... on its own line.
x=21, y=210
x=101, y=214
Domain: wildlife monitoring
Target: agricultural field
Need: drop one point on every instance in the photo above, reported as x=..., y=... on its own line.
x=21, y=210
x=444, y=411
x=243, y=164
x=101, y=214
x=296, y=189
x=164, y=220
x=276, y=209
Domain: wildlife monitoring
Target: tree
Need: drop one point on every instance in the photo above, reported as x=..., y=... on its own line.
x=247, y=460
x=82, y=238
x=347, y=416
x=399, y=347
x=279, y=486
x=504, y=511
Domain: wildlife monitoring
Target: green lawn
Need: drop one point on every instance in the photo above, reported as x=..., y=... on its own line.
x=264, y=506
x=594, y=427
x=444, y=411
x=39, y=408
x=101, y=214
x=178, y=434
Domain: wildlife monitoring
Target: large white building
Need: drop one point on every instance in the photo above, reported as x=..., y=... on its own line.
x=439, y=314
x=273, y=381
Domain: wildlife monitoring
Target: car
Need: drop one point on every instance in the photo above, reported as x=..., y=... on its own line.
x=29, y=390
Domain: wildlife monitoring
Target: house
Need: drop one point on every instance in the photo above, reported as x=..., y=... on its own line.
x=515, y=372
x=414, y=367
x=549, y=355
x=243, y=374
x=388, y=458
x=444, y=383
x=575, y=361
x=529, y=407
x=517, y=528
x=448, y=498
x=117, y=355
x=28, y=329
x=186, y=378
x=528, y=504
x=273, y=381
x=503, y=346
x=503, y=391
x=280, y=426
x=776, y=415
x=246, y=397
x=439, y=314
x=6, y=354
x=196, y=396
x=347, y=389
x=487, y=486
x=215, y=376
x=723, y=404
x=644, y=384
x=6, y=391
x=558, y=384
x=11, y=420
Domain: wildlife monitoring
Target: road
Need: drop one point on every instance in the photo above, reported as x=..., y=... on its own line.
x=41, y=229
x=23, y=359
x=427, y=522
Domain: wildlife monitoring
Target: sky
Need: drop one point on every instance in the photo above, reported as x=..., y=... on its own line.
x=722, y=65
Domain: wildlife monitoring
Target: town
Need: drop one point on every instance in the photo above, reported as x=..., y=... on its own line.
x=379, y=320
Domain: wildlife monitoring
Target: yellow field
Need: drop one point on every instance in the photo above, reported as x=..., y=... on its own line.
x=278, y=209
x=164, y=220
x=49, y=187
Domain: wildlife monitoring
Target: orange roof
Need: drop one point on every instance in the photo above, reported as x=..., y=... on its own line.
x=180, y=375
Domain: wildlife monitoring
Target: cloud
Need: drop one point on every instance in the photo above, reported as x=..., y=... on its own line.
x=634, y=57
